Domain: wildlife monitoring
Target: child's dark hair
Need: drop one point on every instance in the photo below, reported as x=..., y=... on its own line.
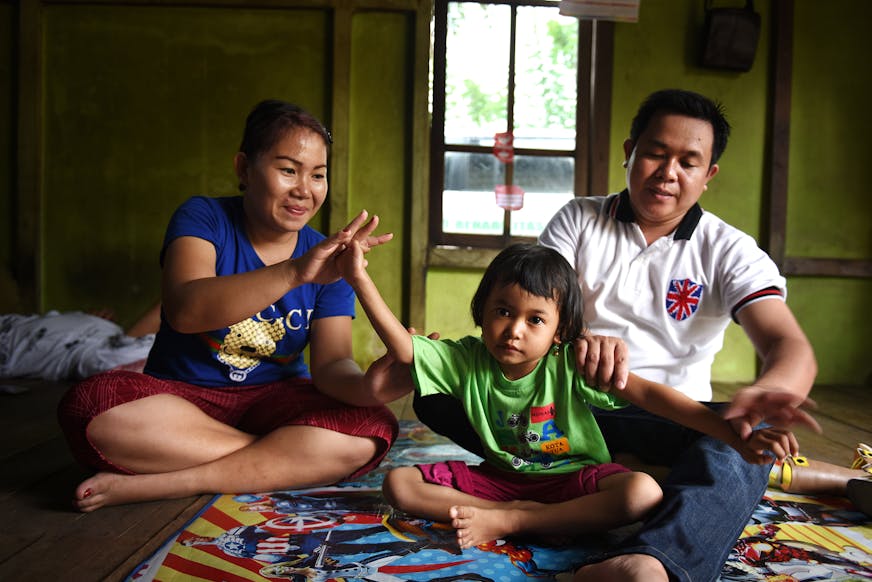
x=539, y=271
x=270, y=120
x=689, y=104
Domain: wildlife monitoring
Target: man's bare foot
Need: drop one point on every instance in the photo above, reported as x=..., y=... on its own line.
x=624, y=568
x=476, y=525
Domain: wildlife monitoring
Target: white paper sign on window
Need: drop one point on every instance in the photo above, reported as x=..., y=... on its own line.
x=509, y=197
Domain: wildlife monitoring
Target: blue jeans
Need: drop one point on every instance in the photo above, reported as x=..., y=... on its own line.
x=708, y=496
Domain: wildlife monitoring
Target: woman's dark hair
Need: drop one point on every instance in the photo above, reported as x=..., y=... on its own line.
x=689, y=104
x=539, y=271
x=270, y=120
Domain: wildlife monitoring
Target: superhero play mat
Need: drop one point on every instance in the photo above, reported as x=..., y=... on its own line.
x=349, y=533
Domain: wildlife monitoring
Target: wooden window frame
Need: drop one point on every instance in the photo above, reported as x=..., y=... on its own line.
x=593, y=111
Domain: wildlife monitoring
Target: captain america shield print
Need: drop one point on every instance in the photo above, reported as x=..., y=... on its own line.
x=683, y=298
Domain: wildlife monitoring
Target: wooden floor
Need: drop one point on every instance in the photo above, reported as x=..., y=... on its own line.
x=44, y=539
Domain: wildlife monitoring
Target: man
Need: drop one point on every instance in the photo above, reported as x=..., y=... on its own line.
x=666, y=277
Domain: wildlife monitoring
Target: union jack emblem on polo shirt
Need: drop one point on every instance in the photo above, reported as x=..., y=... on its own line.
x=683, y=298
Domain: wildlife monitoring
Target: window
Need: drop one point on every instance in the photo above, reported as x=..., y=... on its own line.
x=505, y=147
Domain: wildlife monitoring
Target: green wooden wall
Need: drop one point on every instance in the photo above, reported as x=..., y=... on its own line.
x=140, y=105
x=143, y=108
x=830, y=126
x=828, y=206
x=380, y=154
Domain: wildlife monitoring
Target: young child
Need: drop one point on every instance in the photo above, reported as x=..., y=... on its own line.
x=547, y=470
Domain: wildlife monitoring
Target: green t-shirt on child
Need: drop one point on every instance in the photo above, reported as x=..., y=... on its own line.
x=540, y=423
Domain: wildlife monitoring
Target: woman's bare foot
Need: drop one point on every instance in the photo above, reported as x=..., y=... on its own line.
x=95, y=492
x=476, y=525
x=104, y=489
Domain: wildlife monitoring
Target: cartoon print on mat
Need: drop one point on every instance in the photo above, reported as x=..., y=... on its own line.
x=772, y=555
x=292, y=503
x=264, y=544
x=375, y=568
x=519, y=555
x=838, y=512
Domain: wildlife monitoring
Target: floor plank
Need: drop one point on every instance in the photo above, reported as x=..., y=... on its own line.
x=29, y=416
x=90, y=546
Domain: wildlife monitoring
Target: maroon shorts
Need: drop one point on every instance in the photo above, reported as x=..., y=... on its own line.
x=256, y=410
x=486, y=482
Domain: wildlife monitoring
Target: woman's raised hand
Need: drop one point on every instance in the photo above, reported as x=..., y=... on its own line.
x=319, y=264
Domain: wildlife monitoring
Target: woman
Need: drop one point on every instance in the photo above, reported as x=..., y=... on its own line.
x=227, y=403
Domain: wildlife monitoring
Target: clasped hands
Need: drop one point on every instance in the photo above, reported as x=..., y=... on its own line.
x=319, y=264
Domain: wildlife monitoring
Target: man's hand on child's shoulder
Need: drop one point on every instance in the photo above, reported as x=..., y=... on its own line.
x=603, y=360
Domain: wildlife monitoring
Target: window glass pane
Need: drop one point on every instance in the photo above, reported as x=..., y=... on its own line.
x=477, y=65
x=547, y=184
x=469, y=203
x=546, y=69
x=471, y=213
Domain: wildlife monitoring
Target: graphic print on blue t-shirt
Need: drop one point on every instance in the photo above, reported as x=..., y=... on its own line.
x=249, y=343
x=683, y=298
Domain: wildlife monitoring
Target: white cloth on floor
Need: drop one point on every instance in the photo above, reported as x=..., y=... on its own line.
x=68, y=345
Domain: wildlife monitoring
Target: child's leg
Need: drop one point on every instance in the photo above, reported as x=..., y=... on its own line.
x=620, y=499
x=406, y=489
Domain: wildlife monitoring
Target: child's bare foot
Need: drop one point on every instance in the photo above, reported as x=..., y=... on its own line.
x=476, y=525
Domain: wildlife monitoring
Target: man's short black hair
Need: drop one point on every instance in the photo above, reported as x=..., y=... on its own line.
x=689, y=104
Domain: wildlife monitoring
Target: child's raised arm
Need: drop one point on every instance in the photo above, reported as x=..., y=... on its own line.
x=352, y=266
x=672, y=404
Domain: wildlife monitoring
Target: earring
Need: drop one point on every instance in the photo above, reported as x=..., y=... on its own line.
x=555, y=351
x=624, y=163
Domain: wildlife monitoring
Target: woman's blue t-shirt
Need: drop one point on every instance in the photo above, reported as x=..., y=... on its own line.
x=263, y=348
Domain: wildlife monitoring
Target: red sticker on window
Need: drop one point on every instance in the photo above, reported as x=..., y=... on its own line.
x=504, y=148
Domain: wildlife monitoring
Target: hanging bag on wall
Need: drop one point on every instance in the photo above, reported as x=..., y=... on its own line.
x=731, y=36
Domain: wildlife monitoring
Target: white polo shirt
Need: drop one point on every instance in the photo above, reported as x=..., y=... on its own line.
x=670, y=301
